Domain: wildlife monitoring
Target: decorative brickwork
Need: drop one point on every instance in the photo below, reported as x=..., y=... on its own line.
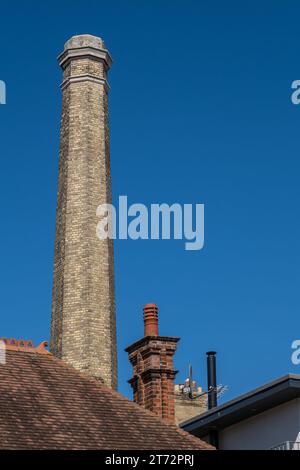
x=12, y=344
x=83, y=329
x=153, y=369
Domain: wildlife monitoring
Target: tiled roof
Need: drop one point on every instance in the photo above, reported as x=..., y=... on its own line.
x=46, y=404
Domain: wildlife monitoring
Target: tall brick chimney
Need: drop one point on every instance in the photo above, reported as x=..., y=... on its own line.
x=153, y=369
x=83, y=329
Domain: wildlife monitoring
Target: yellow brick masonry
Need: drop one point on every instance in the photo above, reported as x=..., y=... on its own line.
x=83, y=329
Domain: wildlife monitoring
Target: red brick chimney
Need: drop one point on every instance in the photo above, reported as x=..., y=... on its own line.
x=153, y=369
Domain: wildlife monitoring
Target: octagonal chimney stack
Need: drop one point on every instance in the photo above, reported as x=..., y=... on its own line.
x=83, y=327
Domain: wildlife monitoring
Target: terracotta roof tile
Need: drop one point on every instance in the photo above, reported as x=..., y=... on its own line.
x=46, y=404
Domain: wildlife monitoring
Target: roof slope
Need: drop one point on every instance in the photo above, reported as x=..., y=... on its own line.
x=46, y=404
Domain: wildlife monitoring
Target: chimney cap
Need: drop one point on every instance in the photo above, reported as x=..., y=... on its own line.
x=82, y=46
x=84, y=40
x=150, y=306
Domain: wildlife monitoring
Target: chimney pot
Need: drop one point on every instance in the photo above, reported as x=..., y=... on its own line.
x=150, y=320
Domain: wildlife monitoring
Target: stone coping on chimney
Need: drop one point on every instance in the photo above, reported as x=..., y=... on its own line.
x=84, y=52
x=147, y=339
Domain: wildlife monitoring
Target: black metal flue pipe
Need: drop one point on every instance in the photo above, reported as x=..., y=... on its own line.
x=211, y=379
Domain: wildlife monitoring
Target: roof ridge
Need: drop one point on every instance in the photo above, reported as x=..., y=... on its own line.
x=21, y=345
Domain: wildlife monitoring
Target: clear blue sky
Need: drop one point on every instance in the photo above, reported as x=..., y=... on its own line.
x=200, y=112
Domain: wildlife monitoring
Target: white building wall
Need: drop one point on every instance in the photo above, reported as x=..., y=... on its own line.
x=264, y=430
